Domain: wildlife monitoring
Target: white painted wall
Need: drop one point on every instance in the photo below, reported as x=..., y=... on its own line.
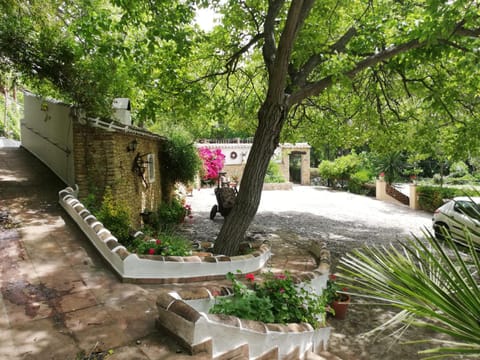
x=47, y=132
x=235, y=153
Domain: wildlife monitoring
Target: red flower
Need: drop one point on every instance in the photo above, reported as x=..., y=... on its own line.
x=280, y=276
x=282, y=290
x=151, y=251
x=332, y=277
x=158, y=242
x=250, y=277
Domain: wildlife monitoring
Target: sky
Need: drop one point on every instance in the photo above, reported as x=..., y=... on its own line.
x=205, y=18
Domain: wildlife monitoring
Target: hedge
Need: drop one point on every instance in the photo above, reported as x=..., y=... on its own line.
x=432, y=197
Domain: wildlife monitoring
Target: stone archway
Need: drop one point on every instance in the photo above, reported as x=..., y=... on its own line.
x=296, y=162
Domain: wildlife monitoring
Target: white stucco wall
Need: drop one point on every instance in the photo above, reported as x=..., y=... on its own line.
x=47, y=132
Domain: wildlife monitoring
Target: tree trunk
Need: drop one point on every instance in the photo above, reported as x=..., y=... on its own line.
x=271, y=119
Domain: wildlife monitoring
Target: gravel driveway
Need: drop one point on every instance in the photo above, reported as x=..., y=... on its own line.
x=341, y=219
x=344, y=221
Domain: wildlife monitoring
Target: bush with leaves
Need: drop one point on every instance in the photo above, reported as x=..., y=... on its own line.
x=358, y=179
x=353, y=169
x=432, y=197
x=179, y=161
x=170, y=214
x=163, y=243
x=275, y=299
x=458, y=169
x=394, y=165
x=115, y=216
x=274, y=175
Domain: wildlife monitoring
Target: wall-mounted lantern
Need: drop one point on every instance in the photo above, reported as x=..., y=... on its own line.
x=132, y=146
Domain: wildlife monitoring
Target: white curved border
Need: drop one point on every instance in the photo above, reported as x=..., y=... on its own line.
x=193, y=326
x=132, y=267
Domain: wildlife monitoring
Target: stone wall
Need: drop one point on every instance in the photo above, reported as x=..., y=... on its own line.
x=102, y=160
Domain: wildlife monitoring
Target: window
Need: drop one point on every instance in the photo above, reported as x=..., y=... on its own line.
x=151, y=168
x=468, y=208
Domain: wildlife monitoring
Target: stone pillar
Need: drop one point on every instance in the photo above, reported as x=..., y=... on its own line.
x=414, y=197
x=381, y=190
x=305, y=168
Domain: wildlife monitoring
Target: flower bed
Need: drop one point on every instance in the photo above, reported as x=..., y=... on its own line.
x=156, y=268
x=185, y=315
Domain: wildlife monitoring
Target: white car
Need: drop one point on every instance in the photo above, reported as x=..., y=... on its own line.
x=456, y=215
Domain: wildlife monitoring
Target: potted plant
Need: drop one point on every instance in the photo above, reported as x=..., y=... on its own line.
x=336, y=297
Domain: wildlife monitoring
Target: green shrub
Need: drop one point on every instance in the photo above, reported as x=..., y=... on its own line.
x=463, y=180
x=164, y=243
x=432, y=197
x=432, y=283
x=326, y=170
x=393, y=165
x=358, y=179
x=458, y=169
x=277, y=299
x=274, y=175
x=179, y=160
x=115, y=216
x=170, y=213
x=341, y=168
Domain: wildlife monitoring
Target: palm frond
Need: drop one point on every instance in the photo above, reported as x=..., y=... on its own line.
x=430, y=282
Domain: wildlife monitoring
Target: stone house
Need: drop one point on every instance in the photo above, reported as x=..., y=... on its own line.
x=94, y=154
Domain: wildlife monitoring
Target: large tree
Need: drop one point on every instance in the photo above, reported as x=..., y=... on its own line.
x=310, y=47
x=357, y=66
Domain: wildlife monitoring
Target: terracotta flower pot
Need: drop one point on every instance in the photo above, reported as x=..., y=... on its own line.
x=341, y=306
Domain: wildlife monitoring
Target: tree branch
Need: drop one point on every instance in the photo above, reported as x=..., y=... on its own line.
x=269, y=46
x=315, y=88
x=299, y=78
x=233, y=59
x=462, y=31
x=297, y=13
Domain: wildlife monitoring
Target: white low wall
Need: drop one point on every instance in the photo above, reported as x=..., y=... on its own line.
x=193, y=326
x=47, y=132
x=131, y=267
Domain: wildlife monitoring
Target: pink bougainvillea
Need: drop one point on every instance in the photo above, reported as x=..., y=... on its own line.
x=213, y=161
